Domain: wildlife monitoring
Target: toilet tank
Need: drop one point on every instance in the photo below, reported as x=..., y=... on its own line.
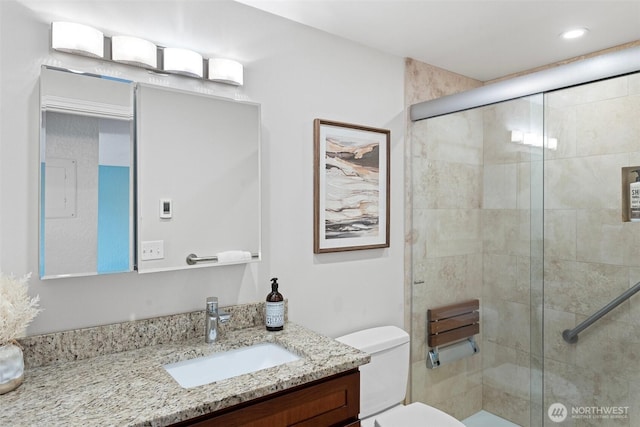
x=383, y=381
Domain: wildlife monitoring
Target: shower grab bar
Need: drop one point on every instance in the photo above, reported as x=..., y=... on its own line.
x=571, y=335
x=194, y=259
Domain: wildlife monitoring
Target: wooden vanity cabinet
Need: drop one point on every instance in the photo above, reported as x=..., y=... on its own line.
x=330, y=402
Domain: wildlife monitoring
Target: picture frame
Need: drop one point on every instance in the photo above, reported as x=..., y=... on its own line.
x=351, y=181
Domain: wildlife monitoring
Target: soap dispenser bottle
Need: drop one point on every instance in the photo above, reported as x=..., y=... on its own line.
x=274, y=316
x=634, y=198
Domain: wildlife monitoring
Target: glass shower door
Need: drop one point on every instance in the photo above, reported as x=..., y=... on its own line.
x=591, y=254
x=524, y=205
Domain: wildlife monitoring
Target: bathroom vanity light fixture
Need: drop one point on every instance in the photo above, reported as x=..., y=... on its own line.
x=134, y=51
x=77, y=38
x=182, y=61
x=83, y=40
x=225, y=71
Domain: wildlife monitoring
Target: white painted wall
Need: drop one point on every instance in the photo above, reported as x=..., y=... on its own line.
x=297, y=74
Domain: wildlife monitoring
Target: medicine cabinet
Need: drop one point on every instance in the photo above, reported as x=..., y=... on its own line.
x=86, y=174
x=117, y=196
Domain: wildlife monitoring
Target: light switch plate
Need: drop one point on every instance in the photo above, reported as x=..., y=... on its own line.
x=152, y=250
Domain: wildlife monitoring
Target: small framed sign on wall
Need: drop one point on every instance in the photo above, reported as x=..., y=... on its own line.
x=351, y=187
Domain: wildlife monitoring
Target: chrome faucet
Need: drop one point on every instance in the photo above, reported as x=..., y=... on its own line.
x=213, y=317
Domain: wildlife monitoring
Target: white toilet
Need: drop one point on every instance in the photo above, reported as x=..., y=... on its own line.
x=383, y=382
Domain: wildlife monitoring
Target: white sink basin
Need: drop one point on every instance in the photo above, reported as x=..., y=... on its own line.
x=219, y=366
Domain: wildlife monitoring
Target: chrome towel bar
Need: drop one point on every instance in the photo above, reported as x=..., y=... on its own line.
x=194, y=259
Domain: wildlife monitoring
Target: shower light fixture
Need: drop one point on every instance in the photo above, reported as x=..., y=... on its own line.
x=77, y=38
x=574, y=33
x=134, y=51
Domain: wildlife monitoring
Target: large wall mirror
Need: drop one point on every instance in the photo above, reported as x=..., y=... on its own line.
x=86, y=174
x=198, y=179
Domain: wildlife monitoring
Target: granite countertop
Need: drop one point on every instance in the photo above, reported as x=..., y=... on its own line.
x=131, y=388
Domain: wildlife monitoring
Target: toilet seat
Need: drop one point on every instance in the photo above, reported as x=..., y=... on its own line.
x=416, y=414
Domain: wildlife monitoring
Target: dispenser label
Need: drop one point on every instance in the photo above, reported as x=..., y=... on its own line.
x=635, y=201
x=275, y=314
x=635, y=197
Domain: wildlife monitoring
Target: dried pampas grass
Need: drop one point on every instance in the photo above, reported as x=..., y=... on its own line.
x=17, y=310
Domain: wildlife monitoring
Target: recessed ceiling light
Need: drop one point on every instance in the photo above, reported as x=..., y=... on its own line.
x=574, y=33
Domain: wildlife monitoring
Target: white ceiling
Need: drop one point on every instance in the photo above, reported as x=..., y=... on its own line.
x=478, y=38
x=482, y=39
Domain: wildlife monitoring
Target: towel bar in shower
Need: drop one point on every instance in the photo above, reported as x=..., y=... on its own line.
x=571, y=335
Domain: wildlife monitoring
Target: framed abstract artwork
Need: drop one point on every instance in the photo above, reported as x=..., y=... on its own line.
x=351, y=187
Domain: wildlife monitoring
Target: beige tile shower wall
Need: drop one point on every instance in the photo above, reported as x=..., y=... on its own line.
x=591, y=255
x=506, y=225
x=444, y=235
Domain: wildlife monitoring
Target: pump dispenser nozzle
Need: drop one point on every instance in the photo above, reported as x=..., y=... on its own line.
x=637, y=172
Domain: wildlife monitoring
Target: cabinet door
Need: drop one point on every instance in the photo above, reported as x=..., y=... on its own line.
x=198, y=157
x=332, y=402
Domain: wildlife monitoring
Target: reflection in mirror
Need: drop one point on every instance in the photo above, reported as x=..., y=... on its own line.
x=86, y=176
x=198, y=184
